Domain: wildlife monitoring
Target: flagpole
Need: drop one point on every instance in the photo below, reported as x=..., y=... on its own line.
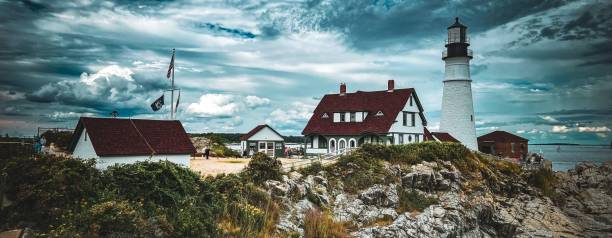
x=172, y=90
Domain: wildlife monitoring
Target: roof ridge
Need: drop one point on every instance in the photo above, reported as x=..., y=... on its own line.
x=145, y=139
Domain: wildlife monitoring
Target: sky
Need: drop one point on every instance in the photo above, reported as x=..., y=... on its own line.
x=541, y=69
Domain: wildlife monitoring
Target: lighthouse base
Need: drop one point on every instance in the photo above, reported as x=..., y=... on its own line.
x=458, y=112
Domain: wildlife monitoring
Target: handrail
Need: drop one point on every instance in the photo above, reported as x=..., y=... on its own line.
x=323, y=159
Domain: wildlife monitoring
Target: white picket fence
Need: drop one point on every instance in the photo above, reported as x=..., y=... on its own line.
x=324, y=159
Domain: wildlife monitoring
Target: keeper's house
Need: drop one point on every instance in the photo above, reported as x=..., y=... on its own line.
x=118, y=141
x=347, y=120
x=262, y=138
x=503, y=144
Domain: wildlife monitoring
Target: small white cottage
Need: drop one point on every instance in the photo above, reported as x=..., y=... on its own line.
x=262, y=138
x=118, y=141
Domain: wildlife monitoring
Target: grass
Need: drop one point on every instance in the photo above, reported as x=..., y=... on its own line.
x=319, y=224
x=411, y=201
x=545, y=180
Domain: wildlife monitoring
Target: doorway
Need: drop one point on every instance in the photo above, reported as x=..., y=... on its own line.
x=266, y=147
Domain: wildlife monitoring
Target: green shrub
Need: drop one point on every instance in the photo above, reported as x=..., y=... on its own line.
x=69, y=198
x=312, y=169
x=359, y=171
x=44, y=189
x=262, y=168
x=411, y=200
x=545, y=180
x=156, y=183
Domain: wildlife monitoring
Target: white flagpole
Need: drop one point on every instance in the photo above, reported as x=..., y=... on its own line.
x=172, y=89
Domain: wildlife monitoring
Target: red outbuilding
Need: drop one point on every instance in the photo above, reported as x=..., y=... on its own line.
x=503, y=144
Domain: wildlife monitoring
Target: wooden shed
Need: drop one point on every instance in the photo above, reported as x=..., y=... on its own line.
x=262, y=138
x=504, y=144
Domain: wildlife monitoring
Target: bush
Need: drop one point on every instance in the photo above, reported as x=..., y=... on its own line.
x=359, y=171
x=42, y=190
x=412, y=200
x=319, y=225
x=61, y=139
x=545, y=180
x=69, y=198
x=312, y=169
x=262, y=168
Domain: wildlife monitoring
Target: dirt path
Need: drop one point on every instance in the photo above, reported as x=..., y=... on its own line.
x=214, y=166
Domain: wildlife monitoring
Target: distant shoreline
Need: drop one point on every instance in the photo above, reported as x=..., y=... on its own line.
x=571, y=144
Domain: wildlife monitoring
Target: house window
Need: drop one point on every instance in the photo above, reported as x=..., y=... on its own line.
x=401, y=139
x=359, y=116
x=471, y=117
x=342, y=117
x=410, y=100
x=405, y=118
x=262, y=146
x=409, y=138
x=412, y=119
x=379, y=113
x=85, y=137
x=325, y=115
x=512, y=147
x=353, y=117
x=336, y=117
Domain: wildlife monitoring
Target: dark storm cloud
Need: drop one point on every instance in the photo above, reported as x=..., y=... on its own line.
x=218, y=28
x=380, y=24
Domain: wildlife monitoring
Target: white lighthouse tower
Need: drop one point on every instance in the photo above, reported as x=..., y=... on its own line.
x=457, y=106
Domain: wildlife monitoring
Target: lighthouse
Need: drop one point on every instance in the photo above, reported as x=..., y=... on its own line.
x=457, y=104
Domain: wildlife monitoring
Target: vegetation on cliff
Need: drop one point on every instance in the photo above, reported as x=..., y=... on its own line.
x=65, y=197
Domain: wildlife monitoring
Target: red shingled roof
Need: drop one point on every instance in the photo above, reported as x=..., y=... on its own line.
x=113, y=136
x=257, y=129
x=501, y=136
x=390, y=103
x=438, y=136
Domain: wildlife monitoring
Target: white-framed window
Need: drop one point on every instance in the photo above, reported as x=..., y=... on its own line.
x=353, y=117
x=411, y=100
x=379, y=113
x=85, y=136
x=409, y=138
x=405, y=118
x=325, y=115
x=401, y=139
x=412, y=119
x=359, y=116
x=336, y=117
x=342, y=117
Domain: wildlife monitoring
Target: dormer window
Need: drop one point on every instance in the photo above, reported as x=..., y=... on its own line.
x=325, y=115
x=379, y=113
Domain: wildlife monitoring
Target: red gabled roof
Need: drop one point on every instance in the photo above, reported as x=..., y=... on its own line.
x=390, y=103
x=438, y=136
x=444, y=137
x=257, y=129
x=114, y=137
x=501, y=136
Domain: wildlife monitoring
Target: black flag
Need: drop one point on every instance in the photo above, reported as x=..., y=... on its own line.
x=158, y=103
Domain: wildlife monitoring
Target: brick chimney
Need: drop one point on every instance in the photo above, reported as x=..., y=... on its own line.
x=342, y=89
x=390, y=85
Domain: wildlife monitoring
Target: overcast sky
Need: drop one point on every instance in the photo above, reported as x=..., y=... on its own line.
x=542, y=69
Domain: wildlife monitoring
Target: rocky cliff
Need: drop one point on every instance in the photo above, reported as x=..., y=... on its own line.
x=491, y=202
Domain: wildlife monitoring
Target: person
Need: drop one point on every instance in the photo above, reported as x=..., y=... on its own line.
x=43, y=141
x=251, y=153
x=206, y=152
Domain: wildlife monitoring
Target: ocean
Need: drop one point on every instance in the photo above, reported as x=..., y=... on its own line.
x=569, y=155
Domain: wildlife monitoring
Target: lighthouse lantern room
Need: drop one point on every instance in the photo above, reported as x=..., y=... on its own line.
x=457, y=103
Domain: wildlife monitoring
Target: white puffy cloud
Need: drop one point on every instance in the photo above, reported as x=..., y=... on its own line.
x=215, y=105
x=254, y=101
x=69, y=115
x=549, y=119
x=111, y=87
x=584, y=129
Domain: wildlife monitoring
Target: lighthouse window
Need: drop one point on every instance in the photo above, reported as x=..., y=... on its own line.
x=471, y=117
